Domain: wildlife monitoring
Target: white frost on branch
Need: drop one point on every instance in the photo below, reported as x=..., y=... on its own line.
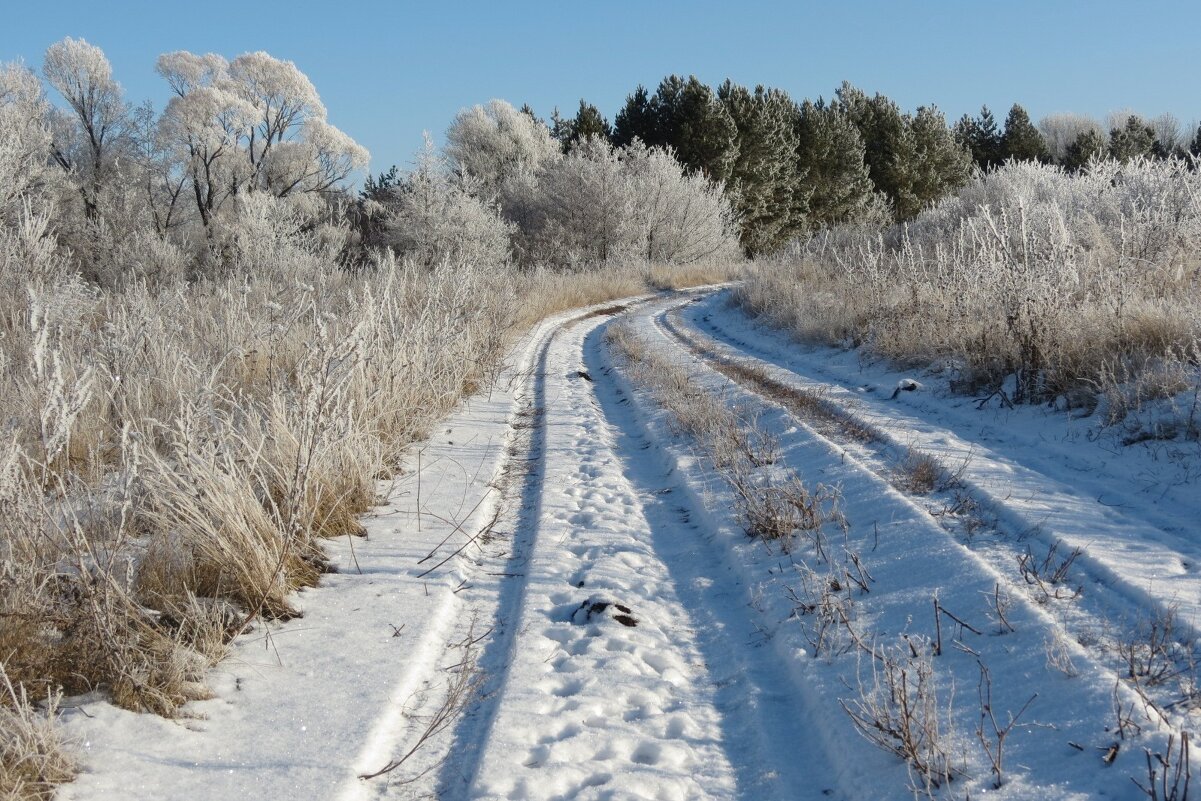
x=256, y=123
x=495, y=143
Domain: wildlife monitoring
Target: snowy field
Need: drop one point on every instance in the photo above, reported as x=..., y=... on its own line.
x=559, y=600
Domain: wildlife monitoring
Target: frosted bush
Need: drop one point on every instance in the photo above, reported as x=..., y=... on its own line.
x=1028, y=272
x=685, y=217
x=584, y=210
x=496, y=142
x=601, y=205
x=437, y=216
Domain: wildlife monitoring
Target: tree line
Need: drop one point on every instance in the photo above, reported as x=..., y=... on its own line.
x=791, y=167
x=132, y=193
x=244, y=146
x=685, y=173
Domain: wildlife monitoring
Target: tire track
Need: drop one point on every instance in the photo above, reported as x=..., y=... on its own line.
x=769, y=722
x=596, y=696
x=473, y=629
x=1096, y=604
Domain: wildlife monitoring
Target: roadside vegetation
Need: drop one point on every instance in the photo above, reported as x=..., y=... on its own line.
x=1032, y=283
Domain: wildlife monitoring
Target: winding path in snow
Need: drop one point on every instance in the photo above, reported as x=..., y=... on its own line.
x=557, y=547
x=633, y=670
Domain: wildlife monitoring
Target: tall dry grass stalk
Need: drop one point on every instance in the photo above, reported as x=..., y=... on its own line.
x=33, y=758
x=1060, y=283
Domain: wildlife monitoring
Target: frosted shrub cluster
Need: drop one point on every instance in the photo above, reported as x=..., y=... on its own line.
x=595, y=204
x=1059, y=282
x=436, y=215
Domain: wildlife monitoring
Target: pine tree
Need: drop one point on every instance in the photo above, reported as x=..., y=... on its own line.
x=1021, y=140
x=1194, y=147
x=981, y=137
x=881, y=126
x=378, y=189
x=763, y=177
x=1089, y=144
x=528, y=111
x=1133, y=140
x=637, y=120
x=914, y=160
x=587, y=123
x=928, y=163
x=834, y=181
x=560, y=128
x=693, y=121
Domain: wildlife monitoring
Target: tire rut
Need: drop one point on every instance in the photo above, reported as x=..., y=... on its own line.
x=1096, y=607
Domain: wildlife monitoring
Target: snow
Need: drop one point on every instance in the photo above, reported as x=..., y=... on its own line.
x=565, y=546
x=1132, y=510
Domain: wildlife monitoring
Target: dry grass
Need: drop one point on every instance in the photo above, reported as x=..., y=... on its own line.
x=816, y=410
x=546, y=292
x=682, y=276
x=33, y=756
x=185, y=450
x=919, y=473
x=899, y=711
x=1053, y=285
x=773, y=504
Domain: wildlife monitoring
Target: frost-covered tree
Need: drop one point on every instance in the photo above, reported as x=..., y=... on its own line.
x=291, y=144
x=1021, y=140
x=582, y=208
x=25, y=140
x=1169, y=136
x=763, y=179
x=1060, y=131
x=205, y=123
x=834, y=179
x=253, y=124
x=163, y=179
x=88, y=143
x=434, y=215
x=981, y=136
x=496, y=142
x=1134, y=139
x=684, y=217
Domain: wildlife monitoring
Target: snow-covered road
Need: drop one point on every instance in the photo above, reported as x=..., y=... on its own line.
x=558, y=601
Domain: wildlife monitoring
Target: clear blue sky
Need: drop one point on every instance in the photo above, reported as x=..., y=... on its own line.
x=389, y=70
